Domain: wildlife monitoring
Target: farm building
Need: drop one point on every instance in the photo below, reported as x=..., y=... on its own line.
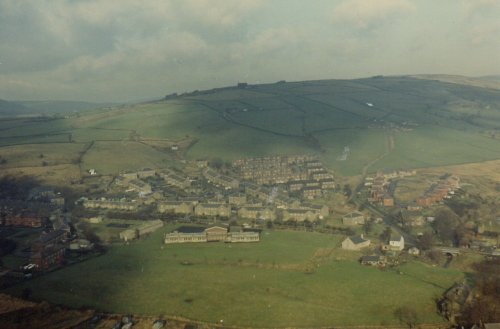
x=355, y=242
x=373, y=260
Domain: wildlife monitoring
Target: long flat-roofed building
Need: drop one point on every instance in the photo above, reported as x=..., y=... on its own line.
x=196, y=234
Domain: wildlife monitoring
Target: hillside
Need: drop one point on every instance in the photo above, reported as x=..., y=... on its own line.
x=354, y=126
x=61, y=107
x=12, y=109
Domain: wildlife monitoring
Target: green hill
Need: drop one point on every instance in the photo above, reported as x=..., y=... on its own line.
x=353, y=125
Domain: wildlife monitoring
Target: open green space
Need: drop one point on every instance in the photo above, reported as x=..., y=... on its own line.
x=115, y=157
x=289, y=278
x=430, y=146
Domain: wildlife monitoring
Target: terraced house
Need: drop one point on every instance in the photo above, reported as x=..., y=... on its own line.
x=176, y=207
x=252, y=212
x=213, y=177
x=176, y=180
x=212, y=210
x=109, y=204
x=299, y=215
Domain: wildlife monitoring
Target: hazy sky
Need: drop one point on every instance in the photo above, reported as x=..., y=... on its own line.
x=100, y=50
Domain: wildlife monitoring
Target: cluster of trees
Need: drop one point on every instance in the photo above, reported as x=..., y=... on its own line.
x=7, y=246
x=449, y=227
x=485, y=307
x=17, y=188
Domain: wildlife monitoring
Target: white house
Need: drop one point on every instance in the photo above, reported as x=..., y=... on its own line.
x=397, y=242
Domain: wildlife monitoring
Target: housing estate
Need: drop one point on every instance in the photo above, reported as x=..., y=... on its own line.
x=439, y=191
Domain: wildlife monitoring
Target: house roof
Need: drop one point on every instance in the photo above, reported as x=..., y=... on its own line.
x=357, y=239
x=354, y=214
x=216, y=228
x=51, y=235
x=395, y=238
x=374, y=258
x=191, y=229
x=212, y=205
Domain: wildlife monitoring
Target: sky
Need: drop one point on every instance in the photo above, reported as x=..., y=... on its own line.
x=124, y=50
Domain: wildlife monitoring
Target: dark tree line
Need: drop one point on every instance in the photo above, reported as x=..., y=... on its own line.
x=17, y=188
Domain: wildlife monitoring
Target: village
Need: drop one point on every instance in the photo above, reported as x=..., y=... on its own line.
x=232, y=203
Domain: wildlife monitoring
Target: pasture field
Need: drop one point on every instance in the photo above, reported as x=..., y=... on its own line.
x=431, y=146
x=32, y=155
x=114, y=157
x=288, y=279
x=365, y=145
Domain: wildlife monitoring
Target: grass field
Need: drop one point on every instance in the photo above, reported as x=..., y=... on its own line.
x=431, y=146
x=263, y=284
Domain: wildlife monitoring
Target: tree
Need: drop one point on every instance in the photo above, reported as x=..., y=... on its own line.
x=347, y=190
x=368, y=226
x=26, y=293
x=426, y=241
x=386, y=235
x=445, y=224
x=406, y=315
x=216, y=163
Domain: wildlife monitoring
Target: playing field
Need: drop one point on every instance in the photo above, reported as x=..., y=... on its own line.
x=288, y=279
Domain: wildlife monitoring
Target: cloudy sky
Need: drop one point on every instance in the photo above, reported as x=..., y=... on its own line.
x=107, y=50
